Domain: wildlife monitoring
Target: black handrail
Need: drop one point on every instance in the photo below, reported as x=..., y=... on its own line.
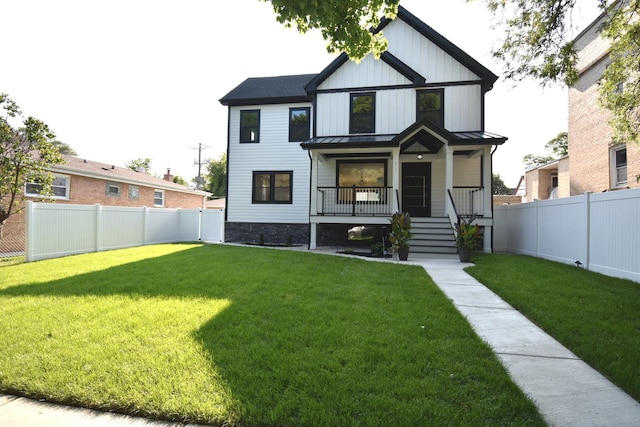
x=398, y=200
x=455, y=210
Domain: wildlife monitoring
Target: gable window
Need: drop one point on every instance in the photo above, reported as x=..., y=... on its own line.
x=430, y=106
x=59, y=188
x=158, y=198
x=619, y=167
x=363, y=113
x=299, y=124
x=112, y=189
x=272, y=187
x=250, y=126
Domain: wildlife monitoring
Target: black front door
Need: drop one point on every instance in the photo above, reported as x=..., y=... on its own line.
x=416, y=189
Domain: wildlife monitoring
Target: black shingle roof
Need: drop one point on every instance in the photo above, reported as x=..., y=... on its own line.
x=269, y=90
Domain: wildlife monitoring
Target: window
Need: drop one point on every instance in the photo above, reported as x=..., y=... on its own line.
x=368, y=175
x=430, y=106
x=250, y=126
x=112, y=189
x=158, y=198
x=618, y=167
x=363, y=113
x=59, y=188
x=299, y=124
x=134, y=192
x=272, y=187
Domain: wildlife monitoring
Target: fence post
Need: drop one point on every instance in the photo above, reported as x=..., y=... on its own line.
x=587, y=207
x=28, y=250
x=98, y=226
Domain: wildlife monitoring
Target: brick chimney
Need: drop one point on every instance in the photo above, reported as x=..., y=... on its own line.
x=168, y=176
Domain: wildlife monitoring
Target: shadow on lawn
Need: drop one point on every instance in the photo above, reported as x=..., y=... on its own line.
x=301, y=344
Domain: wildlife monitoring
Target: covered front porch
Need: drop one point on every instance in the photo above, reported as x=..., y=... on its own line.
x=425, y=170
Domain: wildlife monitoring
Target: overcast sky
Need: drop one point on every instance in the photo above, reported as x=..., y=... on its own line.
x=123, y=79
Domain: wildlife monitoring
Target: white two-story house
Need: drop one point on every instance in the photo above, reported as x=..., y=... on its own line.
x=313, y=156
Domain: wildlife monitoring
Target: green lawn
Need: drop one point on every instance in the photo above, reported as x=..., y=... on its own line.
x=248, y=336
x=595, y=316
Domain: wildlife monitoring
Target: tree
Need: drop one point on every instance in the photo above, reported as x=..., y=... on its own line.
x=216, y=176
x=498, y=186
x=180, y=180
x=558, y=146
x=64, y=148
x=135, y=164
x=25, y=153
x=535, y=44
x=344, y=24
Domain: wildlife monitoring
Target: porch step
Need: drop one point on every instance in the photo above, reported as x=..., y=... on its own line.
x=432, y=235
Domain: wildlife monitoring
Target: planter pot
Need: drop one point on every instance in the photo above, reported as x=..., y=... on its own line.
x=403, y=254
x=464, y=254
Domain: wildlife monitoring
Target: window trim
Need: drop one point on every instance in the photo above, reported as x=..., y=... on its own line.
x=272, y=187
x=614, y=167
x=373, y=111
x=155, y=205
x=114, y=184
x=308, y=130
x=67, y=188
x=439, y=91
x=257, y=139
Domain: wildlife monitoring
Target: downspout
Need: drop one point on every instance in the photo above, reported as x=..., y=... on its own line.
x=310, y=195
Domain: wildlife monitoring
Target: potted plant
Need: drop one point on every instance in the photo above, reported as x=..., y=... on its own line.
x=468, y=237
x=400, y=234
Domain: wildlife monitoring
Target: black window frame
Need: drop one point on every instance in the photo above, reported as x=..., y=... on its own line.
x=419, y=113
x=272, y=187
x=372, y=113
x=307, y=127
x=244, y=127
x=343, y=195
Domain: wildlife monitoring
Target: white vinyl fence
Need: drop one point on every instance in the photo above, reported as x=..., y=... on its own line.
x=601, y=231
x=55, y=230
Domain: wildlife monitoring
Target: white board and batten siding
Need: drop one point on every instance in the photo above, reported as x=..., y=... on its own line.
x=273, y=153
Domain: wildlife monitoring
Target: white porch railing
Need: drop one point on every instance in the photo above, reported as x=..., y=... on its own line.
x=354, y=201
x=468, y=200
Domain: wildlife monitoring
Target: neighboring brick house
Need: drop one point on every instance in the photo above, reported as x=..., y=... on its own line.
x=84, y=182
x=595, y=162
x=548, y=181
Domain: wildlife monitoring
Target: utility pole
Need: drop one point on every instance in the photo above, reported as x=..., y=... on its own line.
x=199, y=179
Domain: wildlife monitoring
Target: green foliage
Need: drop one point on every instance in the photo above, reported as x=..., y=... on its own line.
x=216, y=176
x=559, y=146
x=620, y=84
x=25, y=153
x=400, y=230
x=140, y=163
x=498, y=186
x=535, y=44
x=64, y=148
x=468, y=234
x=180, y=180
x=344, y=24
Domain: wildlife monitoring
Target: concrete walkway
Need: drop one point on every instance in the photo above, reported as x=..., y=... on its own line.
x=566, y=390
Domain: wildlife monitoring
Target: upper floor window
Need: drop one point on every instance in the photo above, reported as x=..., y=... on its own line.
x=272, y=187
x=430, y=106
x=618, y=167
x=158, y=198
x=59, y=188
x=299, y=124
x=363, y=113
x=250, y=126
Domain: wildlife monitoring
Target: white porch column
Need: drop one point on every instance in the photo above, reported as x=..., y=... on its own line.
x=395, y=177
x=314, y=184
x=448, y=182
x=313, y=206
x=486, y=180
